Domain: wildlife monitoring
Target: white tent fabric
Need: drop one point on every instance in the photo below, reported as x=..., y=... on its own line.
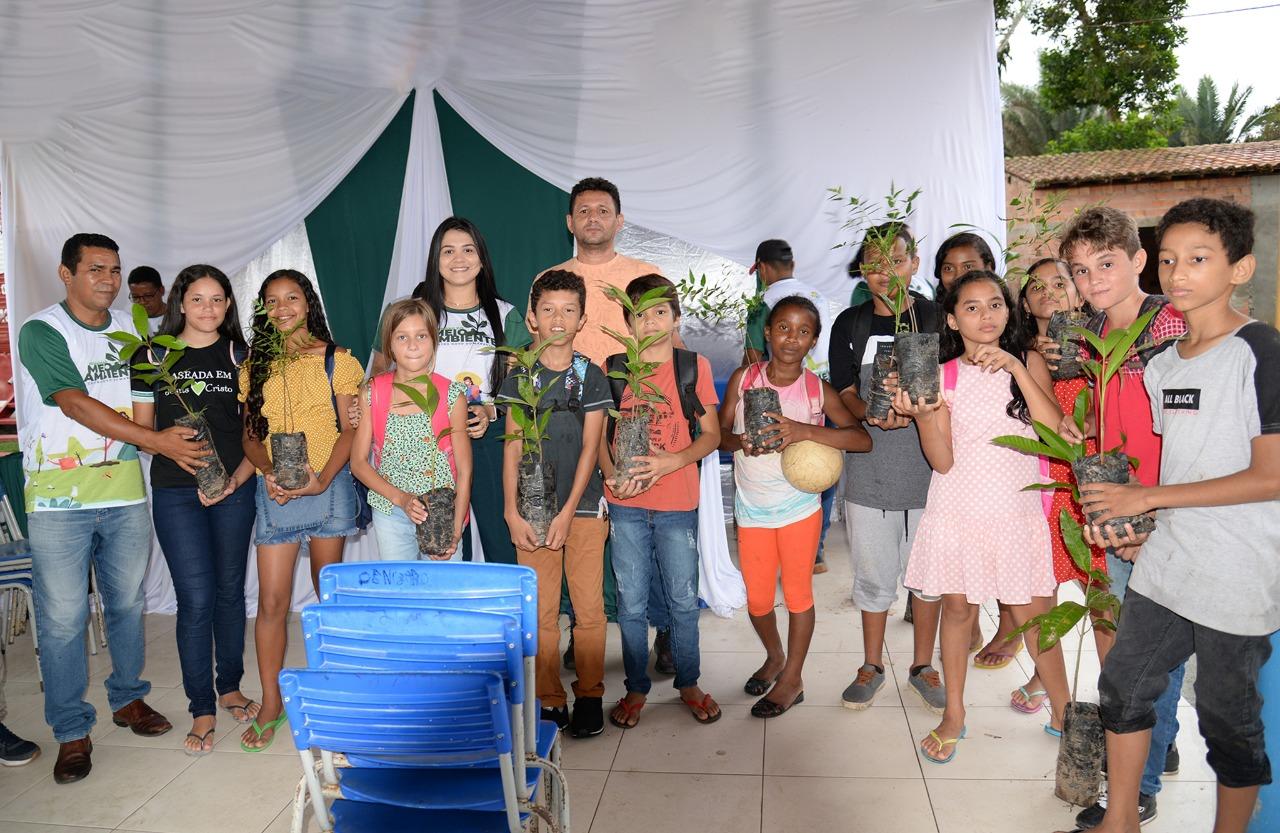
x=205, y=132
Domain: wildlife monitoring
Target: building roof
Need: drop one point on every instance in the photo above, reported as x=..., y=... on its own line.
x=1238, y=159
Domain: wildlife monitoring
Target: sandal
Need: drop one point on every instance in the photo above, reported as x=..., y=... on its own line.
x=243, y=717
x=270, y=726
x=201, y=739
x=766, y=708
x=942, y=744
x=1052, y=732
x=755, y=686
x=1005, y=659
x=1028, y=696
x=704, y=705
x=629, y=711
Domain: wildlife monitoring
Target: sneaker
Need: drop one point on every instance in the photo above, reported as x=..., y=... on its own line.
x=1172, y=760
x=558, y=716
x=1091, y=817
x=567, y=659
x=663, y=662
x=588, y=717
x=862, y=691
x=926, y=682
x=14, y=751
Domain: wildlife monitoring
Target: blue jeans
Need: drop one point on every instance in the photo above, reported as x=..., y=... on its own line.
x=828, y=500
x=117, y=541
x=645, y=541
x=1166, y=728
x=207, y=550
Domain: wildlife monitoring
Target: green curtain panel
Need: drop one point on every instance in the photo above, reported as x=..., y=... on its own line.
x=353, y=235
x=520, y=214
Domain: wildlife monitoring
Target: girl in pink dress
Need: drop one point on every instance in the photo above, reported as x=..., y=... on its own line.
x=981, y=537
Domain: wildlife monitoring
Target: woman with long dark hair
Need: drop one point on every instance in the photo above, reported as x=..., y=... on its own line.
x=296, y=394
x=462, y=291
x=205, y=540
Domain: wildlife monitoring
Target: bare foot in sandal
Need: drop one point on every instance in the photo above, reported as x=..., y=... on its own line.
x=626, y=714
x=704, y=709
x=199, y=741
x=242, y=709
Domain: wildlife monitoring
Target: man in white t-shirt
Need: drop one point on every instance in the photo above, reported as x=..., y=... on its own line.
x=776, y=267
x=147, y=288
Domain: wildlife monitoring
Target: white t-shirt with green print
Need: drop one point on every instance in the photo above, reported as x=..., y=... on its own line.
x=67, y=465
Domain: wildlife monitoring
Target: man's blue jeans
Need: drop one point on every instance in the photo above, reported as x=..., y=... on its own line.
x=207, y=550
x=644, y=541
x=828, y=503
x=63, y=544
x=1166, y=728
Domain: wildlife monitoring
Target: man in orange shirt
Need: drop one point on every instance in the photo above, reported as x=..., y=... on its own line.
x=594, y=219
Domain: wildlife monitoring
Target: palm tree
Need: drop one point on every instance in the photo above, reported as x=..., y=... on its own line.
x=1029, y=126
x=1207, y=121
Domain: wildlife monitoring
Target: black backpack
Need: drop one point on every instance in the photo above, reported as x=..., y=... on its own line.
x=686, y=362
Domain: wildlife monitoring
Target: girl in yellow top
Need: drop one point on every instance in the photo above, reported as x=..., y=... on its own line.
x=325, y=509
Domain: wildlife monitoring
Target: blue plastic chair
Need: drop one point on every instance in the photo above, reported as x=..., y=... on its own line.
x=444, y=725
x=497, y=588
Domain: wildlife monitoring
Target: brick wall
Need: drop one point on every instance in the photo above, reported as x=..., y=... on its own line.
x=1146, y=202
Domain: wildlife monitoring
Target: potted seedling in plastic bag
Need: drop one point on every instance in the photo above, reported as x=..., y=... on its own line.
x=631, y=434
x=1080, y=752
x=154, y=358
x=1112, y=352
x=288, y=447
x=535, y=475
x=914, y=354
x=435, y=534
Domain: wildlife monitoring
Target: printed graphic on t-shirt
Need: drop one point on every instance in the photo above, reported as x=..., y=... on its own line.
x=873, y=342
x=472, y=382
x=467, y=328
x=1186, y=400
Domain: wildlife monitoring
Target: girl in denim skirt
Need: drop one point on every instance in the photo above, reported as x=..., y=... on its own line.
x=291, y=390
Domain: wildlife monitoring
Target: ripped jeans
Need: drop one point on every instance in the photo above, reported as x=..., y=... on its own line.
x=645, y=540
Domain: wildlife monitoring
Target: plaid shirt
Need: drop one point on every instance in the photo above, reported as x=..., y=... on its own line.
x=1167, y=325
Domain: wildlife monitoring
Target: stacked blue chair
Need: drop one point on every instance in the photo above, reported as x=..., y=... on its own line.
x=399, y=618
x=425, y=728
x=17, y=602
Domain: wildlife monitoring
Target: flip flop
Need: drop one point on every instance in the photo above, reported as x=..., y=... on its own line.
x=201, y=751
x=629, y=710
x=703, y=704
x=1027, y=708
x=1052, y=732
x=1005, y=658
x=756, y=686
x=271, y=726
x=766, y=708
x=243, y=717
x=942, y=744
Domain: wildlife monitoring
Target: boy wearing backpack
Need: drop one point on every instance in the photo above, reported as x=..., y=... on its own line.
x=654, y=512
x=578, y=396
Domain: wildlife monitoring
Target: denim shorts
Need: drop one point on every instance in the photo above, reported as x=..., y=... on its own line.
x=330, y=514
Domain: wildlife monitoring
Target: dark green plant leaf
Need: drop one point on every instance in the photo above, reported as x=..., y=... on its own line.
x=140, y=321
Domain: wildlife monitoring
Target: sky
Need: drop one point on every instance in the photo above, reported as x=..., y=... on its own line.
x=1240, y=46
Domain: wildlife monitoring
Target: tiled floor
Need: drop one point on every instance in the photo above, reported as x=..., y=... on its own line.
x=819, y=768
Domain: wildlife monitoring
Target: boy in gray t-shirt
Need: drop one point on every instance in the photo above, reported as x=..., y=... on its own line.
x=1207, y=580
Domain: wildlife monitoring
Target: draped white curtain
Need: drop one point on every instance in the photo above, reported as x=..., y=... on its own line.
x=205, y=132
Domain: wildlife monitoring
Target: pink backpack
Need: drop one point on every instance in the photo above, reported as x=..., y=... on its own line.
x=380, y=393
x=950, y=372
x=812, y=384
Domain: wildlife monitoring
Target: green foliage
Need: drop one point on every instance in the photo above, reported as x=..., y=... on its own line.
x=141, y=345
x=526, y=411
x=1267, y=126
x=273, y=344
x=1069, y=615
x=1118, y=54
x=716, y=303
x=636, y=371
x=1133, y=131
x=427, y=402
x=1206, y=120
x=876, y=226
x=1030, y=229
x=1030, y=125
